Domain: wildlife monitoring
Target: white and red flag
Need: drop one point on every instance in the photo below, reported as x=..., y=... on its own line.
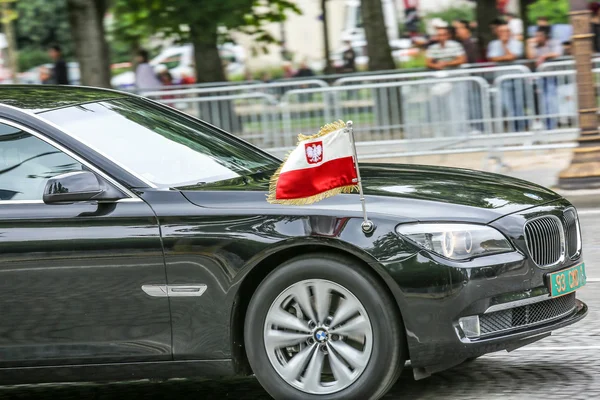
x=320, y=166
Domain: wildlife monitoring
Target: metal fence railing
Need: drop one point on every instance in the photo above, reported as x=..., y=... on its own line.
x=487, y=73
x=536, y=101
x=394, y=110
x=276, y=89
x=398, y=115
x=251, y=116
x=565, y=65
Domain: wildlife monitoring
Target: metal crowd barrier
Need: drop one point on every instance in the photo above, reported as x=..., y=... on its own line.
x=541, y=101
x=250, y=116
x=564, y=65
x=413, y=114
x=489, y=74
x=275, y=89
x=430, y=108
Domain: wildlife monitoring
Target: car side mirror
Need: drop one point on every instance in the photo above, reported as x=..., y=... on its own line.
x=71, y=187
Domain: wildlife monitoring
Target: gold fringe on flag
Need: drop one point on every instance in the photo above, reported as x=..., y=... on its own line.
x=329, y=128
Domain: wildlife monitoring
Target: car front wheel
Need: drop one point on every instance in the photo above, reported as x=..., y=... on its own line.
x=320, y=327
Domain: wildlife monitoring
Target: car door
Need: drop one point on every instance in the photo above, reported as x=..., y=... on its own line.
x=71, y=275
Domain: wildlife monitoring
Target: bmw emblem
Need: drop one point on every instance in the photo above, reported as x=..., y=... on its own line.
x=321, y=336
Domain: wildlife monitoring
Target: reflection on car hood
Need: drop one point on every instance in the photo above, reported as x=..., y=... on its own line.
x=407, y=192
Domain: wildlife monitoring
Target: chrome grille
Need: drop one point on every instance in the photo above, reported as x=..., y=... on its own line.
x=572, y=234
x=545, y=240
x=528, y=315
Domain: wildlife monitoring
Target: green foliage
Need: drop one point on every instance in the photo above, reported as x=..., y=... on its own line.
x=417, y=62
x=30, y=58
x=557, y=11
x=450, y=14
x=131, y=24
x=177, y=19
x=42, y=23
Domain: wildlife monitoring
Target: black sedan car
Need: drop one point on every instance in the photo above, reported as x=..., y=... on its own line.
x=137, y=242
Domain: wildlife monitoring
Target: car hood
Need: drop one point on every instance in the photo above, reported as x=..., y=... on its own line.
x=406, y=192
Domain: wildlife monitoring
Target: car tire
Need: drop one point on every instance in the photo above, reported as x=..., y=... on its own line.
x=370, y=344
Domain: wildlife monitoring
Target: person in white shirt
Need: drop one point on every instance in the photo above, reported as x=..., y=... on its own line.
x=145, y=76
x=505, y=48
x=542, y=48
x=445, y=53
x=515, y=24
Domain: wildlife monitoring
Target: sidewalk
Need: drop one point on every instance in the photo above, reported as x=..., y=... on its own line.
x=541, y=167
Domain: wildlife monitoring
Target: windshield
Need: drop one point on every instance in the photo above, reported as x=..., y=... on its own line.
x=160, y=145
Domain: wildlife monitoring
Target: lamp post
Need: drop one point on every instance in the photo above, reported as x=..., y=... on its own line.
x=584, y=171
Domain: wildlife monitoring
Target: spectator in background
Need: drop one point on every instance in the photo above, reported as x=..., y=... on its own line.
x=505, y=48
x=165, y=77
x=304, y=71
x=542, y=21
x=566, y=48
x=516, y=26
x=445, y=53
x=288, y=71
x=411, y=21
x=45, y=76
x=349, y=58
x=187, y=76
x=60, y=74
x=465, y=38
x=495, y=24
x=595, y=8
x=145, y=77
x=542, y=48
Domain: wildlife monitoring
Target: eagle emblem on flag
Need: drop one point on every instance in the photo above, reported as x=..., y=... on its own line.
x=321, y=166
x=314, y=152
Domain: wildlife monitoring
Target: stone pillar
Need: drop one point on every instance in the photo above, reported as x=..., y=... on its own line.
x=584, y=171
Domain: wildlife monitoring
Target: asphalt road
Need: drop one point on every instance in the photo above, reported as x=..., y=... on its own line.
x=563, y=366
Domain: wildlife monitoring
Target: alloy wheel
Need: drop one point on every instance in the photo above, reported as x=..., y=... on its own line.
x=318, y=336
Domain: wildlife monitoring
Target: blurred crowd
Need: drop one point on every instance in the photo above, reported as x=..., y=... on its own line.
x=455, y=44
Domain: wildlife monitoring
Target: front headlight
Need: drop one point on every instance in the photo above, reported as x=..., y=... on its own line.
x=456, y=241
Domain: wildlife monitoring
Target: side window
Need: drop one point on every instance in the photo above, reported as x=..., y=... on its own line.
x=26, y=164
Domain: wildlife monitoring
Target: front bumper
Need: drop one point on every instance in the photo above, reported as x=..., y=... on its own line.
x=452, y=291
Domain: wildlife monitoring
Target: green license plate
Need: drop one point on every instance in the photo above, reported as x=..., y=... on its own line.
x=567, y=281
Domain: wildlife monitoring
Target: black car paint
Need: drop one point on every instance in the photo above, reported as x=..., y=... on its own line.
x=70, y=284
x=228, y=237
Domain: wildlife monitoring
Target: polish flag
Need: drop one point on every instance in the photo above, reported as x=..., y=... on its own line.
x=320, y=166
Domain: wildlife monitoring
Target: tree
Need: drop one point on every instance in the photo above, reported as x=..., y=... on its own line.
x=326, y=47
x=130, y=27
x=42, y=23
x=464, y=11
x=201, y=21
x=487, y=12
x=378, y=45
x=557, y=11
x=86, y=18
x=8, y=16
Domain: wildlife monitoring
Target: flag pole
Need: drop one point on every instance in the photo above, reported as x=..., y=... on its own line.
x=367, y=225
